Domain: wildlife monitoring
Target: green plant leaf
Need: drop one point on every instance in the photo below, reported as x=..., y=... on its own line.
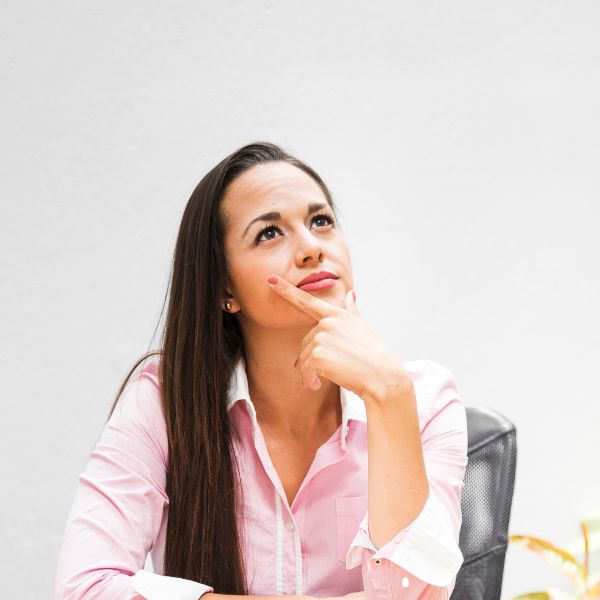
x=592, y=523
x=557, y=557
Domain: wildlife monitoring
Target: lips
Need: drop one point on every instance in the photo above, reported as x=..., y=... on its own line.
x=316, y=277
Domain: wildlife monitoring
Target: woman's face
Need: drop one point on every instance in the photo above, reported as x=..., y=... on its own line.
x=304, y=239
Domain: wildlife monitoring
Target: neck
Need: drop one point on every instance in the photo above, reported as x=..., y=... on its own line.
x=282, y=404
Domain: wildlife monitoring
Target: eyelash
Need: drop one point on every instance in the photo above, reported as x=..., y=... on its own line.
x=330, y=218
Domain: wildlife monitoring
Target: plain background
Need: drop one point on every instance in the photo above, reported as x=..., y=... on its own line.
x=460, y=141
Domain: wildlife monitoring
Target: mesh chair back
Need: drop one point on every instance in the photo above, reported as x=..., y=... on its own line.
x=485, y=502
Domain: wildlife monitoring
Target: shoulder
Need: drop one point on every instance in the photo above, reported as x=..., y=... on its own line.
x=442, y=413
x=139, y=409
x=141, y=397
x=435, y=387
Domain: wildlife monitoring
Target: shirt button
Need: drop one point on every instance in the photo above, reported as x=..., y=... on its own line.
x=289, y=526
x=405, y=581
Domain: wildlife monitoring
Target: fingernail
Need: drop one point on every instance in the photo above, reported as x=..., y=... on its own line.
x=273, y=279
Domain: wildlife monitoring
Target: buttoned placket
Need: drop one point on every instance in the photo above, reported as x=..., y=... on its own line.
x=325, y=456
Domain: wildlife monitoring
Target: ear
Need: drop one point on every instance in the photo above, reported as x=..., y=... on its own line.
x=227, y=295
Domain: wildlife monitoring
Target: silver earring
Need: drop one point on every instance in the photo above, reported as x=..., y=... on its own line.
x=228, y=305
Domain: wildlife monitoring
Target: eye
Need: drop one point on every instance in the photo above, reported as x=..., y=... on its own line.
x=329, y=220
x=266, y=229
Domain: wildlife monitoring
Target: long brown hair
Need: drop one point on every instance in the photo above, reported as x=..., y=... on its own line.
x=200, y=346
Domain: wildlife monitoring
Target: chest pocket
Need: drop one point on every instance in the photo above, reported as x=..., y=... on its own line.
x=349, y=512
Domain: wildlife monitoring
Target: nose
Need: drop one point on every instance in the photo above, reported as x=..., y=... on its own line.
x=310, y=250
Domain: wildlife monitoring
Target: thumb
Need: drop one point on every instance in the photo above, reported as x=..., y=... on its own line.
x=350, y=302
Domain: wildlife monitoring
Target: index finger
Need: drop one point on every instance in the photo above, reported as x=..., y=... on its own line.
x=311, y=305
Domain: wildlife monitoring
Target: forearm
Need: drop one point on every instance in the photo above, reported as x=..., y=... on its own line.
x=398, y=486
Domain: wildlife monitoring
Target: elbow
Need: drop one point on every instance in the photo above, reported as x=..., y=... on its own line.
x=104, y=583
x=68, y=587
x=73, y=588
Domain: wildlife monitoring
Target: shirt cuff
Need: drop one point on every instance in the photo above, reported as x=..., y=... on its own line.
x=162, y=587
x=427, y=547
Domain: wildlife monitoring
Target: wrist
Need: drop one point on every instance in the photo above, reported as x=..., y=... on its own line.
x=391, y=383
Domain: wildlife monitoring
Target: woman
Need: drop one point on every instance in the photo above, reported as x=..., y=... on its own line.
x=239, y=455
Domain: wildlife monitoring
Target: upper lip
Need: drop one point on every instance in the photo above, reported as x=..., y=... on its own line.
x=316, y=277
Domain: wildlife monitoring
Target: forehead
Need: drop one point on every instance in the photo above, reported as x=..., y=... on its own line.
x=268, y=186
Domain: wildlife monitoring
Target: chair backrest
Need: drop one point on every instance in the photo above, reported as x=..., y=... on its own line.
x=486, y=502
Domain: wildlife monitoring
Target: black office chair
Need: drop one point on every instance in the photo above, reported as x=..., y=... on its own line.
x=486, y=501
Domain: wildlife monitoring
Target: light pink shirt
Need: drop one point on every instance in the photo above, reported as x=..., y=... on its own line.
x=318, y=546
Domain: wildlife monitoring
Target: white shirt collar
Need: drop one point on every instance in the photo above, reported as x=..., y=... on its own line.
x=353, y=406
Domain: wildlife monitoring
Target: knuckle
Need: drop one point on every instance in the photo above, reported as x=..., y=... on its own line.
x=319, y=338
x=318, y=355
x=327, y=323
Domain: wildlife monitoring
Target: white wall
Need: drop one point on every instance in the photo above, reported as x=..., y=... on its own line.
x=461, y=141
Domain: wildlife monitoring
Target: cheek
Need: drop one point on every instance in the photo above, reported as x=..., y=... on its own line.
x=347, y=260
x=253, y=291
x=266, y=308
x=346, y=252
x=338, y=254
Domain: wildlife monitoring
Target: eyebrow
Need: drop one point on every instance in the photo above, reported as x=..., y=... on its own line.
x=275, y=216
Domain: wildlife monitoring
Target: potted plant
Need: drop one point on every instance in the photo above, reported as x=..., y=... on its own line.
x=585, y=582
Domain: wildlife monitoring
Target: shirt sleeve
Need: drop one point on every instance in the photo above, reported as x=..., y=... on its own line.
x=423, y=559
x=119, y=506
